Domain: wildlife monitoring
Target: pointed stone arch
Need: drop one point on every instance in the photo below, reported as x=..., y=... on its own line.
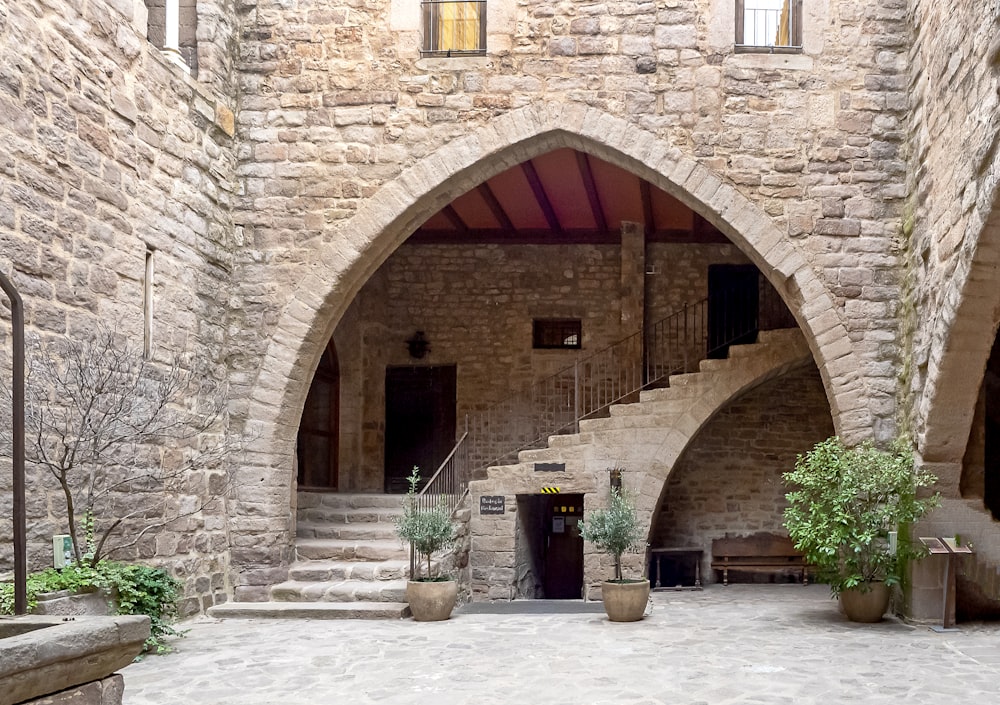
x=966, y=327
x=351, y=255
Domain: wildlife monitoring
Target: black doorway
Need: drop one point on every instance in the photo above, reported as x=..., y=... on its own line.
x=733, y=299
x=550, y=555
x=419, y=421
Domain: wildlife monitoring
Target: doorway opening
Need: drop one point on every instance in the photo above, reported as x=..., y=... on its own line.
x=733, y=302
x=548, y=547
x=318, y=447
x=419, y=421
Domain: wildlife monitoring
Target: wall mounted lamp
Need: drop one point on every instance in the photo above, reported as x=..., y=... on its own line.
x=418, y=345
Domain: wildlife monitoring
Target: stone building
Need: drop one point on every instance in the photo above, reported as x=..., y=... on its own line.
x=382, y=223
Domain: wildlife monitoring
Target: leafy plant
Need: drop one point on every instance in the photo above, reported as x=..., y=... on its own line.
x=614, y=530
x=140, y=589
x=844, y=503
x=427, y=529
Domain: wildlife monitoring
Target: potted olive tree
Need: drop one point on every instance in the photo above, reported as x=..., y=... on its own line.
x=845, y=506
x=614, y=531
x=428, y=530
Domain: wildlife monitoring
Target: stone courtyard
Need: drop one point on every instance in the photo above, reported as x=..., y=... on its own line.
x=298, y=190
x=769, y=644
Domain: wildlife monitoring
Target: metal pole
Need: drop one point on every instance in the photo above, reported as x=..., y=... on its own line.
x=576, y=394
x=17, y=386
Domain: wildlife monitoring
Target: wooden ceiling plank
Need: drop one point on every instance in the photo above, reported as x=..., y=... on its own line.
x=591, y=187
x=543, y=200
x=495, y=207
x=455, y=219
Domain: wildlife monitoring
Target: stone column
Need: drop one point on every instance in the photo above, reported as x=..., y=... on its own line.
x=633, y=274
x=633, y=289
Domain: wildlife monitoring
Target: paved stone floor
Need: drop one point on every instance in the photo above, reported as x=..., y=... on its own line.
x=768, y=644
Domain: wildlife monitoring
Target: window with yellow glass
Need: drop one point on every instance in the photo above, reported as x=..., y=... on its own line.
x=454, y=28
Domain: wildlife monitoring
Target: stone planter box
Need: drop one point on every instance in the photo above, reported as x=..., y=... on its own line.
x=100, y=603
x=40, y=655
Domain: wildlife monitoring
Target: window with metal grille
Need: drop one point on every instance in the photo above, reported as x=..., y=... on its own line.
x=769, y=25
x=454, y=28
x=555, y=333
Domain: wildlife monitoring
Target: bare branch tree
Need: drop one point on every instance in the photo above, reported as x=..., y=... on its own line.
x=124, y=437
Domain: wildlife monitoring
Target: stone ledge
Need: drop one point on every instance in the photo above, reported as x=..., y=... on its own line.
x=310, y=610
x=46, y=655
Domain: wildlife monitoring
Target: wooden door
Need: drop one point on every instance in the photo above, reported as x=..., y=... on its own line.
x=419, y=421
x=318, y=447
x=564, y=548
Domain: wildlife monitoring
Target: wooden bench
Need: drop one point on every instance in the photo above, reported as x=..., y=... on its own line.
x=759, y=553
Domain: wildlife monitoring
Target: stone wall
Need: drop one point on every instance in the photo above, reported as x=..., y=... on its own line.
x=351, y=140
x=112, y=155
x=728, y=482
x=476, y=305
x=953, y=239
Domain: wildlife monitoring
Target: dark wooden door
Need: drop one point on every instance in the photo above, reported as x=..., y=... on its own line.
x=733, y=298
x=564, y=548
x=318, y=447
x=419, y=421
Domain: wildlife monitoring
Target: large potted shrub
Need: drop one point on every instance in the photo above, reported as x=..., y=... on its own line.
x=844, y=507
x=614, y=531
x=428, y=530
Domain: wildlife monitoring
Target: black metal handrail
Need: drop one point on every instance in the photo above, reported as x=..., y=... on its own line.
x=17, y=438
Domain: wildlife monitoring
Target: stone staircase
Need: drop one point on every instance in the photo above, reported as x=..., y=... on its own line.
x=668, y=417
x=349, y=564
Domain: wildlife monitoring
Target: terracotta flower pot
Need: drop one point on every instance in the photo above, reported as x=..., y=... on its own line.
x=867, y=607
x=625, y=602
x=431, y=601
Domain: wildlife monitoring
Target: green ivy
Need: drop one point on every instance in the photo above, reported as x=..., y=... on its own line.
x=140, y=589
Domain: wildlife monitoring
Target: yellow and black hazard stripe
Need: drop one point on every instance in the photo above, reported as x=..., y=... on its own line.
x=550, y=490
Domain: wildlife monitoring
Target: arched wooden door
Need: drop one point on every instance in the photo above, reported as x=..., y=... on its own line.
x=319, y=431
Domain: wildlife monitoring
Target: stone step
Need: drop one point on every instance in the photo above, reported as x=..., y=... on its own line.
x=310, y=610
x=668, y=393
x=328, y=571
x=618, y=423
x=662, y=405
x=338, y=500
x=349, y=532
x=340, y=591
x=692, y=379
x=342, y=549
x=558, y=454
x=339, y=515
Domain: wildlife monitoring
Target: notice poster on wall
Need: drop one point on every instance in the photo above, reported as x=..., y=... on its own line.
x=492, y=504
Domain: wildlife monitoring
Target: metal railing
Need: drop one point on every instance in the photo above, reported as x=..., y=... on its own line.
x=770, y=26
x=454, y=27
x=17, y=446
x=557, y=404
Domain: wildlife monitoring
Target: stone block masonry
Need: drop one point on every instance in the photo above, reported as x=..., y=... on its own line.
x=111, y=155
x=728, y=481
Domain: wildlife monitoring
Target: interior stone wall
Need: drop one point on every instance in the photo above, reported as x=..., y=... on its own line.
x=475, y=305
x=728, y=481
